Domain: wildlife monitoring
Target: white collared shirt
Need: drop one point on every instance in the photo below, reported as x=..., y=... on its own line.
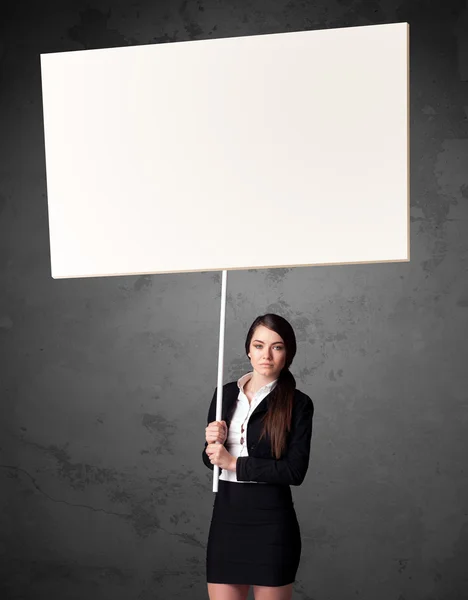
x=241, y=416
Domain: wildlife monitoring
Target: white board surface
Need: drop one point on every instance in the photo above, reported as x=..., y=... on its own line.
x=277, y=150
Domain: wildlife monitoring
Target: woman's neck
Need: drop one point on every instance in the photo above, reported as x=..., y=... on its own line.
x=256, y=382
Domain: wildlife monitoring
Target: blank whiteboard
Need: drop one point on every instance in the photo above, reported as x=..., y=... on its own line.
x=278, y=150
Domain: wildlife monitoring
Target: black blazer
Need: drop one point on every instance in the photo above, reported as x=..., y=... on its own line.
x=260, y=465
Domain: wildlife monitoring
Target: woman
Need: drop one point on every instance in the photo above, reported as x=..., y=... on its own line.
x=264, y=446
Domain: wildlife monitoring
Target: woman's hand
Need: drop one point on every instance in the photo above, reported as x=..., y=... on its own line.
x=220, y=456
x=216, y=432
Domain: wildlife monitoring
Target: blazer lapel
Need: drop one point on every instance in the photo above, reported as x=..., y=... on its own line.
x=230, y=396
x=262, y=405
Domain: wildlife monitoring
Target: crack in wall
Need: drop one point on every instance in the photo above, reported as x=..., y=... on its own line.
x=187, y=538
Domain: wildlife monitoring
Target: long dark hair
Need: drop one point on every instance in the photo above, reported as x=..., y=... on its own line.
x=277, y=419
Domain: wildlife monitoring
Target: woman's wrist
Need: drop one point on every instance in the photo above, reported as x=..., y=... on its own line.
x=233, y=464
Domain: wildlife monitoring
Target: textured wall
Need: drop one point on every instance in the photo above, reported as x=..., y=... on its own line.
x=105, y=383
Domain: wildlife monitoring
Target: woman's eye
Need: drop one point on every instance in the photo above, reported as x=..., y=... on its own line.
x=279, y=347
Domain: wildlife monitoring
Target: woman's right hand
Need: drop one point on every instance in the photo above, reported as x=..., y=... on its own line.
x=216, y=431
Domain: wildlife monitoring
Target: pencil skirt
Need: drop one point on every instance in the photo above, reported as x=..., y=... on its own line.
x=254, y=536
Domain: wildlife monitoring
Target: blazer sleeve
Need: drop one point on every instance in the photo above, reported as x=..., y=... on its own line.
x=211, y=417
x=292, y=467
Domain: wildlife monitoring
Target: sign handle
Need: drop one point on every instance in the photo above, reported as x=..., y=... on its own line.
x=219, y=396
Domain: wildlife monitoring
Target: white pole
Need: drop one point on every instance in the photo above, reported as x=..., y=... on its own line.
x=219, y=395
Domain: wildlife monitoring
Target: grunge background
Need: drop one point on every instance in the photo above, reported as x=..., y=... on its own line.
x=105, y=383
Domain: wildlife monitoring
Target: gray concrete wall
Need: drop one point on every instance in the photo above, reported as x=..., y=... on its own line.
x=105, y=383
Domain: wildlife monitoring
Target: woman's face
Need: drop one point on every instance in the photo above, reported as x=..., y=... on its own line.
x=267, y=352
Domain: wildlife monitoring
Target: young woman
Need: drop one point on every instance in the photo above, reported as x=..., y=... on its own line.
x=264, y=448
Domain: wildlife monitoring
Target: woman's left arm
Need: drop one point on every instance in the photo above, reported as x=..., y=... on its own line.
x=292, y=468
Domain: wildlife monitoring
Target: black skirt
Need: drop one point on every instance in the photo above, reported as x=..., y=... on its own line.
x=254, y=535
